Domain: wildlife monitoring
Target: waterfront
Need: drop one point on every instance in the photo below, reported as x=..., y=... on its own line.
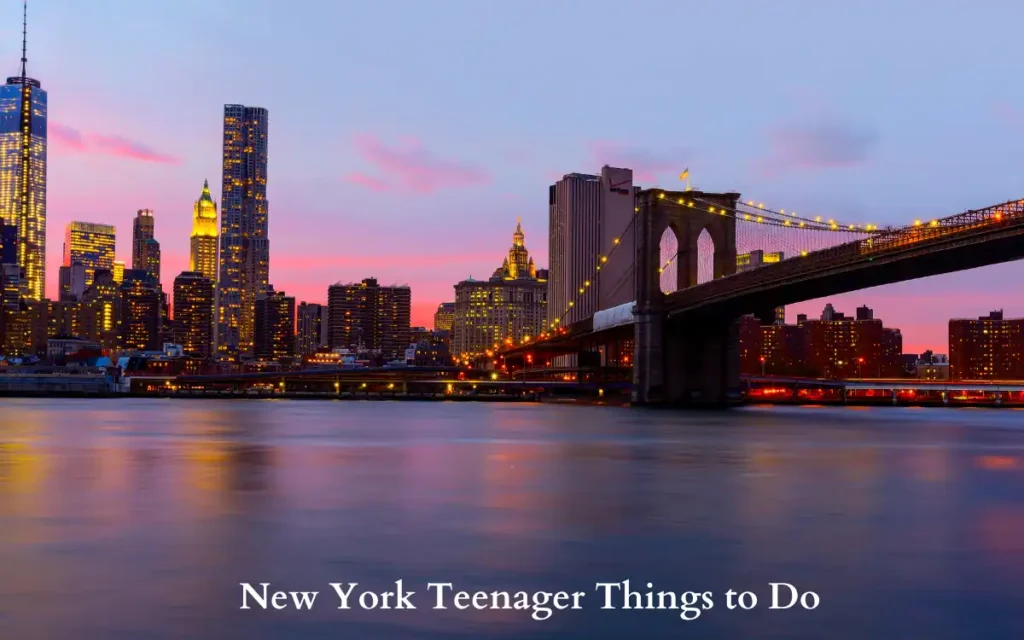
x=137, y=518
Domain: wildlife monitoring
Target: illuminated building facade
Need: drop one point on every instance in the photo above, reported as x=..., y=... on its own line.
x=312, y=328
x=274, y=325
x=10, y=286
x=27, y=331
x=775, y=349
x=834, y=346
x=143, y=228
x=444, y=316
x=118, y=271
x=91, y=245
x=759, y=258
x=368, y=316
x=101, y=310
x=430, y=350
x=151, y=259
x=141, y=312
x=511, y=305
x=989, y=348
x=844, y=347
x=244, y=244
x=23, y=113
x=203, y=253
x=193, y=313
x=145, y=247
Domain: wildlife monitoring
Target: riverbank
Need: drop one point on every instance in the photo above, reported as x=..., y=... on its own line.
x=442, y=397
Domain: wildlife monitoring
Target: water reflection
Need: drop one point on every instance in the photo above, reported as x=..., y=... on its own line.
x=162, y=507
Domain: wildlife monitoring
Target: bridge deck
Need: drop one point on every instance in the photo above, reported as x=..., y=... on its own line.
x=964, y=241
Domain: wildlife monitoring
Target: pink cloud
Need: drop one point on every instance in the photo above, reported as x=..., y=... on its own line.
x=374, y=184
x=410, y=167
x=818, y=142
x=647, y=164
x=72, y=139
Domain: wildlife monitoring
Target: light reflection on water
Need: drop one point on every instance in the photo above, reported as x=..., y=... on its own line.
x=138, y=518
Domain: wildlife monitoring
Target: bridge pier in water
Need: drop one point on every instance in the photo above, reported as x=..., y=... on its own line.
x=691, y=360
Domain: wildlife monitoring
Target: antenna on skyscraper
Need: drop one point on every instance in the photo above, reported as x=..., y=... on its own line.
x=24, y=40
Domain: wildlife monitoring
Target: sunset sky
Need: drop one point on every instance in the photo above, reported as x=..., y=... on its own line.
x=406, y=137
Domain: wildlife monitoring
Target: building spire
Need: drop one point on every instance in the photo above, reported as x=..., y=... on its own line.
x=24, y=41
x=518, y=237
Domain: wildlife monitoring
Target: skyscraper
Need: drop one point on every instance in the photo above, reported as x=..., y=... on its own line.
x=91, y=245
x=366, y=315
x=142, y=230
x=151, y=259
x=145, y=248
x=23, y=171
x=312, y=328
x=274, y=325
x=589, y=218
x=244, y=245
x=141, y=306
x=193, y=313
x=444, y=316
x=989, y=348
x=203, y=255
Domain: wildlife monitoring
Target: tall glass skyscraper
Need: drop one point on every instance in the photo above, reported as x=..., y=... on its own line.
x=90, y=245
x=23, y=173
x=244, y=244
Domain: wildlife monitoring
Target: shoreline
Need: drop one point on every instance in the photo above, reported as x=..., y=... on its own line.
x=397, y=397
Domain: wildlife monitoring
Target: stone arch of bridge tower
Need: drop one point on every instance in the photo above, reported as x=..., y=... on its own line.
x=686, y=223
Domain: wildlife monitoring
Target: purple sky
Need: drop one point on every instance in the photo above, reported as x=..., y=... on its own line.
x=406, y=137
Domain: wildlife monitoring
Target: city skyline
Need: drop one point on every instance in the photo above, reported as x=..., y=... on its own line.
x=351, y=189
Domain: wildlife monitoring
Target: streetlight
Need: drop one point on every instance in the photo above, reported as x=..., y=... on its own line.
x=860, y=361
x=762, y=365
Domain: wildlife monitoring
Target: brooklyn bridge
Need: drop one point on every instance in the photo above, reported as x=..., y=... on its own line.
x=679, y=335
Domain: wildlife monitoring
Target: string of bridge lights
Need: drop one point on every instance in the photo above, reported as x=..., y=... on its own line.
x=771, y=217
x=600, y=261
x=765, y=216
x=758, y=213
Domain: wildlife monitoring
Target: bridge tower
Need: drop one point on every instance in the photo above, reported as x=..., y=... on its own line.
x=692, y=361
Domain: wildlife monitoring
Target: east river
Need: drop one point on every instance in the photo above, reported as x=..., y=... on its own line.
x=139, y=519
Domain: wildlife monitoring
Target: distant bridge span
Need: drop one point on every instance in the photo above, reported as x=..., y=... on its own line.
x=973, y=239
x=686, y=343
